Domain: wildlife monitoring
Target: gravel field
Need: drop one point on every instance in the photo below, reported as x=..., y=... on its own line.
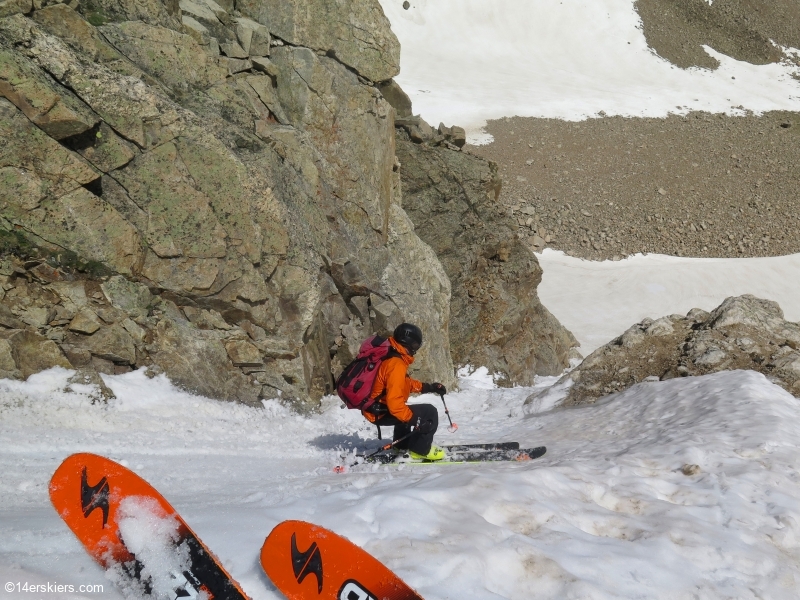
x=695, y=185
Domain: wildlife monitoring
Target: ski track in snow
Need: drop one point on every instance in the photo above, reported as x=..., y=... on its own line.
x=607, y=513
x=466, y=61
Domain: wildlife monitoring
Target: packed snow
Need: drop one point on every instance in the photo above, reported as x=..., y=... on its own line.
x=466, y=61
x=151, y=535
x=687, y=488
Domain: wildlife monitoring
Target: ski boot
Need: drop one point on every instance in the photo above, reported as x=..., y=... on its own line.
x=434, y=454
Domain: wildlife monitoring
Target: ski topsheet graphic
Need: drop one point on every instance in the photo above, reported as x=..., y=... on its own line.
x=307, y=562
x=133, y=532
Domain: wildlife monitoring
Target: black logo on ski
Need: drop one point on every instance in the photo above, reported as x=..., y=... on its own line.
x=307, y=563
x=352, y=590
x=94, y=496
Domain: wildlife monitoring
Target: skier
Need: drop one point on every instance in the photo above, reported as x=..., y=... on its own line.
x=391, y=390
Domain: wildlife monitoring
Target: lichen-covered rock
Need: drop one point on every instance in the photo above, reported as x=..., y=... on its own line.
x=33, y=166
x=13, y=7
x=173, y=58
x=153, y=12
x=56, y=111
x=496, y=318
x=63, y=22
x=44, y=195
x=356, y=32
x=744, y=332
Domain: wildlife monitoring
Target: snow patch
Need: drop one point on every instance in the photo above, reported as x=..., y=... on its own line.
x=464, y=62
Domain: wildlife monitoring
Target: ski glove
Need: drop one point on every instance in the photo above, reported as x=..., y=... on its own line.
x=434, y=388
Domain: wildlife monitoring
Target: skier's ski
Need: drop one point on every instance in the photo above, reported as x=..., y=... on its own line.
x=494, y=446
x=307, y=562
x=467, y=455
x=102, y=502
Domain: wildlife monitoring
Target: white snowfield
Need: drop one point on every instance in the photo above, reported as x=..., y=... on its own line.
x=465, y=61
x=687, y=488
x=597, y=301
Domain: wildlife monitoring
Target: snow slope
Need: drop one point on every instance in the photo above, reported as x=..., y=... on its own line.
x=597, y=301
x=607, y=513
x=687, y=488
x=466, y=61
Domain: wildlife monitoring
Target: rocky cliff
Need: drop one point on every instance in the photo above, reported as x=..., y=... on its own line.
x=743, y=332
x=211, y=190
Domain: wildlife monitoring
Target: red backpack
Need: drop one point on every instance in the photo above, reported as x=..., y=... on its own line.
x=355, y=383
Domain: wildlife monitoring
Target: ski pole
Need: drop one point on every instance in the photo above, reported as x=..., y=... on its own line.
x=453, y=426
x=340, y=468
x=393, y=444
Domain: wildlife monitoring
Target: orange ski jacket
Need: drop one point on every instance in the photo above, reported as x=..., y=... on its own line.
x=393, y=386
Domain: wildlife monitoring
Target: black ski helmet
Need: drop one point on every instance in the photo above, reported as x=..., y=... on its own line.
x=409, y=336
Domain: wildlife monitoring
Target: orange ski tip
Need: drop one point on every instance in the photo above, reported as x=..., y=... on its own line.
x=304, y=561
x=96, y=496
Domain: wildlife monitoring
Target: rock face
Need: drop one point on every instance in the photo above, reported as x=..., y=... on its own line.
x=212, y=192
x=355, y=32
x=496, y=318
x=182, y=190
x=744, y=332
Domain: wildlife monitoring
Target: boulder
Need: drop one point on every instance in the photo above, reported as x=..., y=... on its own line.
x=496, y=318
x=32, y=352
x=205, y=319
x=395, y=96
x=85, y=322
x=9, y=319
x=355, y=32
x=458, y=136
x=211, y=16
x=111, y=343
x=233, y=50
x=8, y=368
x=417, y=129
x=744, y=332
